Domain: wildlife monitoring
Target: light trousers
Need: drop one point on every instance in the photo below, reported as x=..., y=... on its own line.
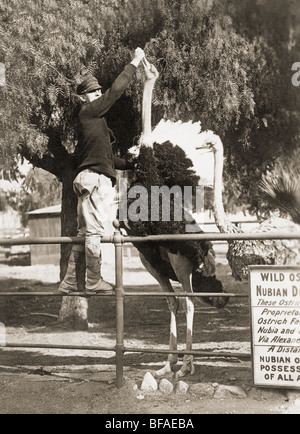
x=95, y=195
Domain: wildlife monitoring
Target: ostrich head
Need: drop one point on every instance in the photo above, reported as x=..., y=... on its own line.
x=209, y=284
x=211, y=141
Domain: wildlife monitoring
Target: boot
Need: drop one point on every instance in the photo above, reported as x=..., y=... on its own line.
x=94, y=281
x=70, y=281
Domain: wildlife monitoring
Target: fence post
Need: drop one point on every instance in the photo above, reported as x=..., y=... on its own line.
x=119, y=293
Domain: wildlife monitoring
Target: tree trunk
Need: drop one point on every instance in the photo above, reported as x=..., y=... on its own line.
x=74, y=310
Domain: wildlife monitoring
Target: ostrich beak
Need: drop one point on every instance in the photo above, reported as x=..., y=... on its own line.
x=206, y=148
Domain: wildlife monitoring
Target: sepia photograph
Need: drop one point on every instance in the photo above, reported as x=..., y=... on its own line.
x=150, y=209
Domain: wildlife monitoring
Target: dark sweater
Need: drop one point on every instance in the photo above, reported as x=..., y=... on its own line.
x=94, y=147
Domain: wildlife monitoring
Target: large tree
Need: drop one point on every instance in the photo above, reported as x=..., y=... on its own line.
x=214, y=67
x=273, y=28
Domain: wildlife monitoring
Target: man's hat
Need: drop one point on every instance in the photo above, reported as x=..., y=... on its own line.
x=87, y=84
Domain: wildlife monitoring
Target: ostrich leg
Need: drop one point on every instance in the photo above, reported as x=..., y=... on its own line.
x=172, y=358
x=188, y=365
x=173, y=304
x=183, y=270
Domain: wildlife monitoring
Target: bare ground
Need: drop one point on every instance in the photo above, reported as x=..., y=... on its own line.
x=49, y=381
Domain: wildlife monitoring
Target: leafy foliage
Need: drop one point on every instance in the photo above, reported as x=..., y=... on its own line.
x=39, y=189
x=280, y=188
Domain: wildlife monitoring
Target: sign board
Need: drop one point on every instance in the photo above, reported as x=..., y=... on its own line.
x=275, y=325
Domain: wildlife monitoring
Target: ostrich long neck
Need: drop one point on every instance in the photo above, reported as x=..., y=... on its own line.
x=222, y=221
x=146, y=112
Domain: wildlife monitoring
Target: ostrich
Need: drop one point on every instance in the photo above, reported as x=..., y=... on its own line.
x=249, y=252
x=190, y=263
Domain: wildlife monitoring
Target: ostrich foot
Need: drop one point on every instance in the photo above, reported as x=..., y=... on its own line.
x=188, y=366
x=163, y=371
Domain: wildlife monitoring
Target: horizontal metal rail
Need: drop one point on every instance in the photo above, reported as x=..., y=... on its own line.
x=216, y=237
x=198, y=353
x=184, y=294
x=234, y=222
x=50, y=294
x=59, y=346
x=167, y=237
x=45, y=240
x=146, y=294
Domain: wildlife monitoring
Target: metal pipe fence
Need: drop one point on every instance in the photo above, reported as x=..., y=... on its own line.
x=118, y=240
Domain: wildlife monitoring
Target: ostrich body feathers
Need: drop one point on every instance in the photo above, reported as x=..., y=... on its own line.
x=154, y=168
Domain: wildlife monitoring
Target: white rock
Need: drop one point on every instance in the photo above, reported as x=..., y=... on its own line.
x=223, y=391
x=182, y=387
x=165, y=386
x=149, y=383
x=293, y=395
x=202, y=389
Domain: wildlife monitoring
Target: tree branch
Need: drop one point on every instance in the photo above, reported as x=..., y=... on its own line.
x=46, y=162
x=56, y=161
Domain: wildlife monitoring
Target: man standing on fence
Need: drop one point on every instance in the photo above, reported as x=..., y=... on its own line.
x=95, y=176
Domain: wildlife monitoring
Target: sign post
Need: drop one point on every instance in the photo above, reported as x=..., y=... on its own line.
x=275, y=325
